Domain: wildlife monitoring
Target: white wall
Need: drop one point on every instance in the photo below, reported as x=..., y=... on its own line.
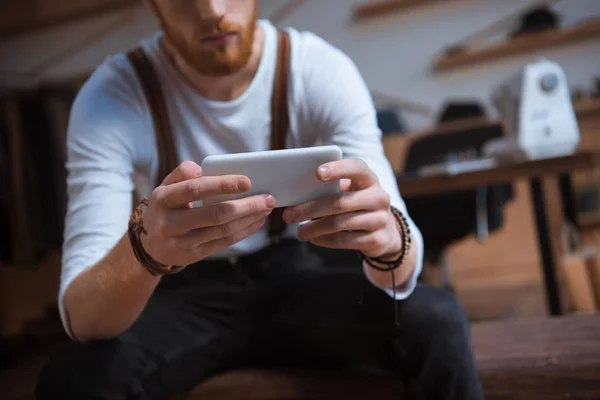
x=395, y=53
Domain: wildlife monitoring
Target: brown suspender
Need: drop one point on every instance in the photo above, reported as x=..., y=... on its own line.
x=279, y=116
x=279, y=109
x=168, y=159
x=165, y=143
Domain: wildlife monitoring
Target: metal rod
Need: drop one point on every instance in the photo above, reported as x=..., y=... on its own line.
x=545, y=248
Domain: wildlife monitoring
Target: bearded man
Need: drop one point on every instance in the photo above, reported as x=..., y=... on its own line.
x=141, y=332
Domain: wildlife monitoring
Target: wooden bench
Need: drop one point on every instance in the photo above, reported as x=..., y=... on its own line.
x=539, y=358
x=517, y=359
x=297, y=385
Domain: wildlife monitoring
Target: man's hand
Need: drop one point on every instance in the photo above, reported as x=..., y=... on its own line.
x=358, y=218
x=180, y=234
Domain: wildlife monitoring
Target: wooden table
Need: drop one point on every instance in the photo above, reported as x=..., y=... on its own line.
x=412, y=185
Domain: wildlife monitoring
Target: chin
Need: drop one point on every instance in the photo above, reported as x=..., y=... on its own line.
x=221, y=65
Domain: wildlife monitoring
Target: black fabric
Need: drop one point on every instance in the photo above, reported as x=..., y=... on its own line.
x=45, y=145
x=389, y=122
x=5, y=225
x=460, y=110
x=536, y=20
x=446, y=218
x=279, y=307
x=33, y=200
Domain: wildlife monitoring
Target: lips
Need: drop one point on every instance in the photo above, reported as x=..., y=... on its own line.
x=221, y=38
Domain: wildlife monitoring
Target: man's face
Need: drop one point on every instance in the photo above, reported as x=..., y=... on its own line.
x=214, y=36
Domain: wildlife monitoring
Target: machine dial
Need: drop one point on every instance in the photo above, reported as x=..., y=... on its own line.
x=549, y=82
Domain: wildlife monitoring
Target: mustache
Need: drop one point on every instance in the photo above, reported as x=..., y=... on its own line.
x=213, y=27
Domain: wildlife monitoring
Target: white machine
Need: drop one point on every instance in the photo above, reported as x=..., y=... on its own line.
x=537, y=109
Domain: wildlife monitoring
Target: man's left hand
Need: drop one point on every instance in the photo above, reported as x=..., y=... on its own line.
x=358, y=218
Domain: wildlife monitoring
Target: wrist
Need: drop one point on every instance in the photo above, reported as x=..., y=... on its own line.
x=136, y=232
x=395, y=248
x=390, y=255
x=401, y=235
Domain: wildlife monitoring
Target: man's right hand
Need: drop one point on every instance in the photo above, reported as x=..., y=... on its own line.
x=180, y=234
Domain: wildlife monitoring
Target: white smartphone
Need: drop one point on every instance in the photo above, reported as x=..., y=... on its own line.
x=289, y=175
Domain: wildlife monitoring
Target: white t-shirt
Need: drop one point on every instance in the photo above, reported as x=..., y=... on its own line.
x=111, y=142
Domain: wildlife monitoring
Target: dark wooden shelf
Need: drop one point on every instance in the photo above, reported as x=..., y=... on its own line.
x=372, y=9
x=412, y=185
x=586, y=107
x=519, y=45
x=589, y=220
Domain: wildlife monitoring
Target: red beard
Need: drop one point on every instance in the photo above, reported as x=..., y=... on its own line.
x=218, y=60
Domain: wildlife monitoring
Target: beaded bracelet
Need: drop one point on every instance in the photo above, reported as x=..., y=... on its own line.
x=136, y=228
x=404, y=228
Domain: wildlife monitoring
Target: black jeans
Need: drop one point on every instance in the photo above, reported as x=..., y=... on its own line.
x=281, y=306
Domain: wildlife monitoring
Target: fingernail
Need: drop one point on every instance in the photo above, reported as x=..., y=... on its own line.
x=242, y=185
x=324, y=172
x=270, y=200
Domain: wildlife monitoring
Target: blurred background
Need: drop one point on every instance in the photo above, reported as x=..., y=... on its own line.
x=513, y=239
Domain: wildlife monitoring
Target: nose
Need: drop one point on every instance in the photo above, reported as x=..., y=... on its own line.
x=211, y=9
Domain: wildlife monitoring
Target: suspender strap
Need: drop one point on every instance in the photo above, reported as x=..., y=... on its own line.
x=279, y=116
x=279, y=110
x=165, y=144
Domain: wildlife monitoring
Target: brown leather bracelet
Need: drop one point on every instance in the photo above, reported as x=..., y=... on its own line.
x=136, y=228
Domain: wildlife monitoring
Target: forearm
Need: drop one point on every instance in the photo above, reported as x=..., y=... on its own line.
x=106, y=299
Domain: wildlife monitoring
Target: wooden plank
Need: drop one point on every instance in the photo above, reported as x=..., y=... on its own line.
x=519, y=45
x=378, y=8
x=589, y=220
x=539, y=358
x=587, y=107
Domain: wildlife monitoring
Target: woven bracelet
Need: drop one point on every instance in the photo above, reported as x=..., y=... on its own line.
x=404, y=228
x=136, y=228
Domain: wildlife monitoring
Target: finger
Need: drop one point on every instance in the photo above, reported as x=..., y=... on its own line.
x=364, y=200
x=198, y=237
x=217, y=214
x=184, y=192
x=345, y=185
x=216, y=245
x=364, y=241
x=354, y=169
x=186, y=170
x=354, y=221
